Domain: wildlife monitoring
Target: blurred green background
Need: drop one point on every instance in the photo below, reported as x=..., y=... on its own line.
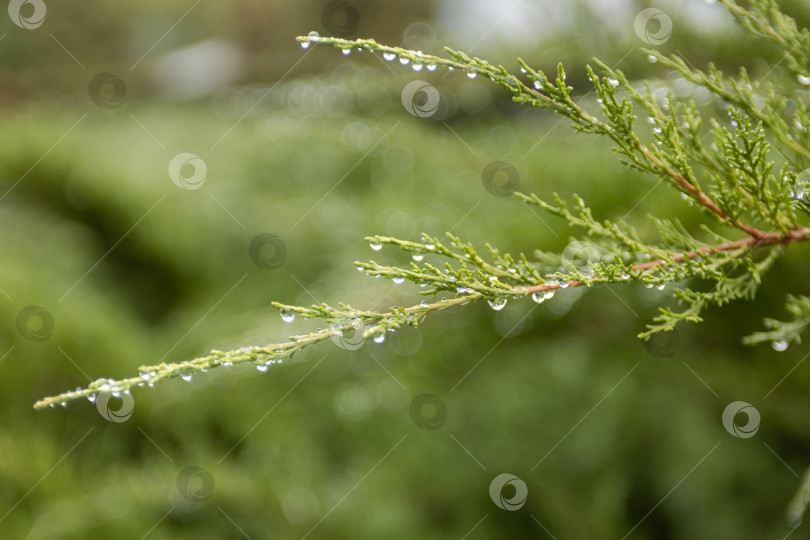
x=316, y=148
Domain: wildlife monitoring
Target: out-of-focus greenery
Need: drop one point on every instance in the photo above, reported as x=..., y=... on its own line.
x=327, y=441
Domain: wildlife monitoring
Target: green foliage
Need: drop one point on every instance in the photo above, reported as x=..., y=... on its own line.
x=748, y=180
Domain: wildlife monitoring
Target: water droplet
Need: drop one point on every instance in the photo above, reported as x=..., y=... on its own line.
x=398, y=280
x=462, y=290
x=539, y=297
x=624, y=277
x=91, y=398
x=648, y=285
x=375, y=244
x=305, y=44
x=804, y=79
x=144, y=375
x=523, y=70
x=417, y=257
x=359, y=268
x=430, y=247
x=404, y=61
x=613, y=82
x=416, y=66
x=431, y=67
x=661, y=287
x=227, y=364
x=287, y=315
x=423, y=303
x=652, y=59
x=314, y=36
x=779, y=345
x=537, y=85
x=186, y=377
x=261, y=367
x=471, y=74
x=389, y=56
x=346, y=52
x=497, y=305
x=379, y=339
x=63, y=404
x=549, y=295
x=564, y=284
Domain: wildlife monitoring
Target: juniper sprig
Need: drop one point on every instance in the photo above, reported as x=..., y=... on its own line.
x=746, y=172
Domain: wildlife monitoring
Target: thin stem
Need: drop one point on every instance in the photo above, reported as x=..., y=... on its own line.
x=798, y=235
x=257, y=355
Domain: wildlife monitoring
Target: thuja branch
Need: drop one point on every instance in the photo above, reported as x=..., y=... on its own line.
x=734, y=180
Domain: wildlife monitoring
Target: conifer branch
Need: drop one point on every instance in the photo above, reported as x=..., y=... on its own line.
x=734, y=180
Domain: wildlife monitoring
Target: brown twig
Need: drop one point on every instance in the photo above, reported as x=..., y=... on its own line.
x=797, y=235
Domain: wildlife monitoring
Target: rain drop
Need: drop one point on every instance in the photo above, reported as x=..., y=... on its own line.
x=417, y=257
x=91, y=398
x=431, y=67
x=379, y=339
x=537, y=85
x=652, y=59
x=346, y=52
x=314, y=36
x=261, y=367
x=539, y=297
x=549, y=295
x=305, y=44
x=564, y=284
x=187, y=377
x=375, y=244
x=398, y=280
x=389, y=56
x=804, y=79
x=497, y=305
x=404, y=61
x=613, y=82
x=471, y=74
x=359, y=268
x=780, y=345
x=416, y=66
x=287, y=315
x=661, y=287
